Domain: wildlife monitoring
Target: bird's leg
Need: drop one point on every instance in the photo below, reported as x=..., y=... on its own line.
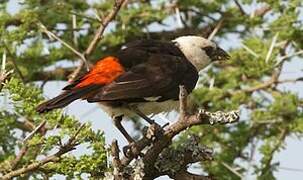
x=155, y=130
x=117, y=122
x=142, y=115
x=127, y=149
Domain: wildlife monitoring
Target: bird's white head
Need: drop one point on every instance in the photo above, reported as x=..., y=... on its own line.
x=200, y=51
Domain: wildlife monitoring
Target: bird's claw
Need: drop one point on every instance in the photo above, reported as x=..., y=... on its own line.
x=154, y=132
x=131, y=150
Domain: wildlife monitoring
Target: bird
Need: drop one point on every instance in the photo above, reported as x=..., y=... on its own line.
x=142, y=78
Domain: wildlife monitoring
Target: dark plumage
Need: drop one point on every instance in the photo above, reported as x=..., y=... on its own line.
x=150, y=69
x=141, y=79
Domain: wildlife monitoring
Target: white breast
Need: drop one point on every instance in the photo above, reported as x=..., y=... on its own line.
x=148, y=108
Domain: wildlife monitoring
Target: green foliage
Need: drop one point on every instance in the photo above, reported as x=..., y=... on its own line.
x=270, y=114
x=24, y=99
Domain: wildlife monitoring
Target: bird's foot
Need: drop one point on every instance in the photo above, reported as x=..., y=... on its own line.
x=132, y=150
x=153, y=132
x=117, y=122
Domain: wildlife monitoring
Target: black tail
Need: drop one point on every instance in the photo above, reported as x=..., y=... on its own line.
x=65, y=98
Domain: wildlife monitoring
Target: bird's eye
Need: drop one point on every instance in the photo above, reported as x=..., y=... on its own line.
x=209, y=50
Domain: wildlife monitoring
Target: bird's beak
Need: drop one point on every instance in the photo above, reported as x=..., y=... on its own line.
x=219, y=55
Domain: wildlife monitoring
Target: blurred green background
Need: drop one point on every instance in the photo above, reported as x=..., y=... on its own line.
x=263, y=79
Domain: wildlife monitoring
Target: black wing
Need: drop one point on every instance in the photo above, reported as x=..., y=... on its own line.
x=153, y=69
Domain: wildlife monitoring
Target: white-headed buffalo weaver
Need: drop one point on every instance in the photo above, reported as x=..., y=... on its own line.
x=141, y=79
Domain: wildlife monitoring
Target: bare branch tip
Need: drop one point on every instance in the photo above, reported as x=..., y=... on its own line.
x=183, y=101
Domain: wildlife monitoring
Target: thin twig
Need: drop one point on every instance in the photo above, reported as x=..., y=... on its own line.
x=26, y=126
x=292, y=55
x=72, y=140
x=240, y=7
x=37, y=129
x=84, y=16
x=13, y=57
x=178, y=17
x=30, y=126
x=15, y=162
x=216, y=29
x=24, y=149
x=232, y=170
x=91, y=47
x=75, y=73
x=74, y=23
x=100, y=18
x=274, y=148
x=52, y=35
x=290, y=80
x=271, y=48
x=250, y=51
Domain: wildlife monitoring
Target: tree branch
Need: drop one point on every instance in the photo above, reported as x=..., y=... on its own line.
x=275, y=147
x=97, y=37
x=71, y=143
x=91, y=47
x=240, y=7
x=155, y=165
x=14, y=62
x=116, y=160
x=24, y=148
x=216, y=29
x=52, y=35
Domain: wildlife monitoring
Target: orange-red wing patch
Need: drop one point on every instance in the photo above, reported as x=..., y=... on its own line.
x=104, y=72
